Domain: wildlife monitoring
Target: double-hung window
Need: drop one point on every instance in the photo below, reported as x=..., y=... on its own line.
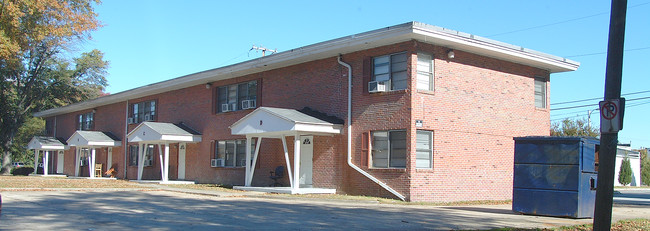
x=390, y=70
x=85, y=121
x=143, y=111
x=134, y=157
x=236, y=97
x=425, y=72
x=231, y=153
x=389, y=149
x=540, y=92
x=424, y=149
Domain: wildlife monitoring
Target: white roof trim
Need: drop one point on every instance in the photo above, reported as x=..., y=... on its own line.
x=332, y=48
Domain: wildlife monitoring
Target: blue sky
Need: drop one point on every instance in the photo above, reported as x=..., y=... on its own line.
x=151, y=41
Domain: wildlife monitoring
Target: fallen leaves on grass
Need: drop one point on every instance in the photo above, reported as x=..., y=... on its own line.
x=40, y=182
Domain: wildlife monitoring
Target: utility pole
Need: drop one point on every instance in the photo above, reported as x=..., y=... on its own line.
x=263, y=49
x=609, y=140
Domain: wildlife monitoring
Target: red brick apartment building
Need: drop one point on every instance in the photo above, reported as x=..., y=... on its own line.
x=412, y=111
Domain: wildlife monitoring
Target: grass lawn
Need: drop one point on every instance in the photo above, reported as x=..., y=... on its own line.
x=623, y=225
x=39, y=182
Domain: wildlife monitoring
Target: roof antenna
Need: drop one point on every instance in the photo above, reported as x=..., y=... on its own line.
x=263, y=49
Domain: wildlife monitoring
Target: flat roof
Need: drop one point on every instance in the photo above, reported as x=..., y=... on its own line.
x=367, y=40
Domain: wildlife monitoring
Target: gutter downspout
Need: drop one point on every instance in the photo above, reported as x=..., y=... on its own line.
x=366, y=174
x=125, y=139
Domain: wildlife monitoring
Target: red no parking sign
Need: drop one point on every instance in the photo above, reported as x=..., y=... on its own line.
x=611, y=115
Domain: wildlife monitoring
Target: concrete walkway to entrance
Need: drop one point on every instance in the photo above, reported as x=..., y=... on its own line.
x=167, y=208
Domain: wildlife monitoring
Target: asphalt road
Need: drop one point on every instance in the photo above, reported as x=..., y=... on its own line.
x=166, y=210
x=632, y=197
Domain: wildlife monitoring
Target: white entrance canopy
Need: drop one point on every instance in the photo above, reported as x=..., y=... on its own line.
x=156, y=132
x=91, y=140
x=267, y=122
x=161, y=134
x=46, y=144
x=278, y=122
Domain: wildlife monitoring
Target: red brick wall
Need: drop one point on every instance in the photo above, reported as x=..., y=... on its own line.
x=477, y=106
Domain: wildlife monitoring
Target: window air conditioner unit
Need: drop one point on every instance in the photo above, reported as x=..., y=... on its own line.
x=242, y=162
x=216, y=163
x=147, y=117
x=225, y=107
x=233, y=106
x=378, y=86
x=129, y=120
x=247, y=104
x=148, y=162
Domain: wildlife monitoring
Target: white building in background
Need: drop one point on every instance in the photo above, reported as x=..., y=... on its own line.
x=623, y=151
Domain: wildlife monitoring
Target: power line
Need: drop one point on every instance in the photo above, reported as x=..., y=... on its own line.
x=589, y=105
x=583, y=100
x=602, y=53
x=581, y=114
x=561, y=22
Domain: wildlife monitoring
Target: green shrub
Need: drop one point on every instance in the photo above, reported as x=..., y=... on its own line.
x=22, y=171
x=625, y=174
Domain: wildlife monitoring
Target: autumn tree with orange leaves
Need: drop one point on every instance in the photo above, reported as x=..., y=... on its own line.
x=35, y=37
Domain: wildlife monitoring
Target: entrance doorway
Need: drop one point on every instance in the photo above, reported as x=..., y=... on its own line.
x=306, y=161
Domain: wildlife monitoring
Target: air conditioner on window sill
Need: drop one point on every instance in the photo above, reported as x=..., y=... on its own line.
x=242, y=162
x=147, y=117
x=225, y=107
x=129, y=120
x=248, y=104
x=378, y=86
x=216, y=163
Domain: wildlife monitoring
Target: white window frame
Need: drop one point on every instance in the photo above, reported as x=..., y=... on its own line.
x=140, y=111
x=149, y=150
x=235, y=96
x=422, y=74
x=237, y=154
x=390, y=72
x=430, y=150
x=389, y=149
x=86, y=121
x=543, y=93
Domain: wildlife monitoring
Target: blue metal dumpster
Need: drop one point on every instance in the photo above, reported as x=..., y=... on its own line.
x=555, y=176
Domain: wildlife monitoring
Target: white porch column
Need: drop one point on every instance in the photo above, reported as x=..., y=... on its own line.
x=140, y=160
x=162, y=164
x=36, y=151
x=296, y=162
x=257, y=151
x=91, y=165
x=166, y=176
x=76, y=161
x=248, y=177
x=45, y=162
x=286, y=158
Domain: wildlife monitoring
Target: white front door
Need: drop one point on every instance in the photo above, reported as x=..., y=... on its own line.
x=306, y=160
x=181, y=161
x=59, y=163
x=109, y=159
